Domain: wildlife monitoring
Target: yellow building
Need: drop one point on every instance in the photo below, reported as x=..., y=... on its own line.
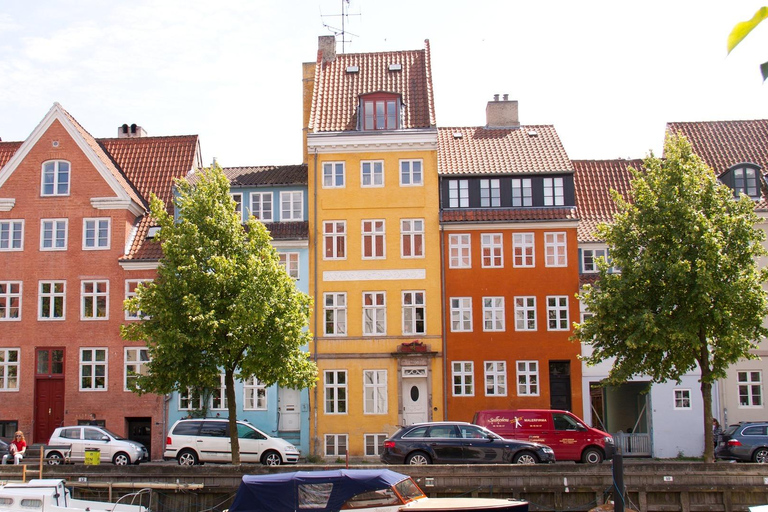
x=371, y=150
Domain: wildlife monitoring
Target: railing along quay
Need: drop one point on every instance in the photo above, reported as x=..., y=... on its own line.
x=652, y=486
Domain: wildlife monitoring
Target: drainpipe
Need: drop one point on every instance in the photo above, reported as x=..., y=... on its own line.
x=446, y=387
x=314, y=323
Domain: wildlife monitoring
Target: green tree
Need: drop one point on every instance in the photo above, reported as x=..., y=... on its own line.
x=689, y=293
x=221, y=302
x=742, y=29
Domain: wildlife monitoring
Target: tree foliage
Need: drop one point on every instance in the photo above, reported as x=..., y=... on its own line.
x=221, y=302
x=742, y=29
x=689, y=292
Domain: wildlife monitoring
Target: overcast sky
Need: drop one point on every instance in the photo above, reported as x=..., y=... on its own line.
x=608, y=75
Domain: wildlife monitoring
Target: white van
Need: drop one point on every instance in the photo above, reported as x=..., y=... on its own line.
x=195, y=441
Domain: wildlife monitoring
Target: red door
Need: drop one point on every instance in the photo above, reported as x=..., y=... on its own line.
x=49, y=392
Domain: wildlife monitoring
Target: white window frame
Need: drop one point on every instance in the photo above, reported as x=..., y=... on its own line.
x=98, y=242
x=490, y=193
x=291, y=198
x=411, y=238
x=374, y=313
x=9, y=229
x=460, y=250
x=495, y=378
x=412, y=173
x=93, y=364
x=52, y=297
x=254, y=395
x=556, y=249
x=10, y=363
x=338, y=441
x=554, y=192
x=557, y=313
x=135, y=360
x=374, y=441
x=335, y=232
x=525, y=313
x=335, y=392
x=337, y=307
x=237, y=197
x=745, y=181
x=56, y=226
x=523, y=250
x=10, y=300
x=522, y=192
x=463, y=378
x=332, y=171
x=218, y=400
x=373, y=172
x=187, y=397
x=94, y=295
x=492, y=250
x=493, y=314
x=458, y=193
x=373, y=232
x=259, y=207
x=57, y=181
x=461, y=314
x=290, y=261
x=527, y=378
x=681, y=399
x=414, y=301
x=594, y=254
x=750, y=384
x=375, y=394
x=130, y=292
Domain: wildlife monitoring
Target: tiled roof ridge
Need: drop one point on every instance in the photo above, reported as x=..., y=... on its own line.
x=145, y=137
x=496, y=128
x=430, y=89
x=268, y=166
x=718, y=122
x=385, y=52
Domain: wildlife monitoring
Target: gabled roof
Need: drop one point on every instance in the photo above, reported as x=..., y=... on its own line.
x=481, y=151
x=336, y=92
x=265, y=175
x=593, y=181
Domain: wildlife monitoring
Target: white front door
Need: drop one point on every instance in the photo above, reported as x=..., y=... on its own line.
x=289, y=408
x=415, y=397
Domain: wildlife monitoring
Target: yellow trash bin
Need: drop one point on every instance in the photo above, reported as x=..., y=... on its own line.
x=92, y=456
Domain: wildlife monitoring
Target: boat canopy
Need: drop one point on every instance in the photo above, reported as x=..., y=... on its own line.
x=315, y=491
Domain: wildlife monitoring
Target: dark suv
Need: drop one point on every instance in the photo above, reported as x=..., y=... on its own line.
x=745, y=442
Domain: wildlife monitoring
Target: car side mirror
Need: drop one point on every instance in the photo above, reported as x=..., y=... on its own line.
x=105, y=438
x=581, y=428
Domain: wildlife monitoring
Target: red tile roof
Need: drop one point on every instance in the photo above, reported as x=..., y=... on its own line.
x=593, y=181
x=508, y=214
x=336, y=92
x=477, y=150
x=7, y=149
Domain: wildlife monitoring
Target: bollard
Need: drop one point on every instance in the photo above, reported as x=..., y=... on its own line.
x=618, y=482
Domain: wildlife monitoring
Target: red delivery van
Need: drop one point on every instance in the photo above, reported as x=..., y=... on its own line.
x=565, y=433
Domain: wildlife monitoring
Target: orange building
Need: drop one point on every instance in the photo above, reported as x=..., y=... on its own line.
x=510, y=258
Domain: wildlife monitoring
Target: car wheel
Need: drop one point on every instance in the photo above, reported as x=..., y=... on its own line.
x=187, y=458
x=592, y=456
x=418, y=459
x=271, y=458
x=760, y=456
x=525, y=458
x=55, y=459
x=121, y=459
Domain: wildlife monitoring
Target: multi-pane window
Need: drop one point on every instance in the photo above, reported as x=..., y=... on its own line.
x=335, y=391
x=11, y=235
x=374, y=444
x=557, y=313
x=93, y=369
x=750, y=388
x=555, y=249
x=525, y=313
x=414, y=313
x=335, y=312
x=522, y=194
x=130, y=291
x=254, y=395
x=290, y=260
x=493, y=313
x=375, y=391
x=589, y=259
x=490, y=193
x=10, y=300
x=745, y=181
x=495, y=378
x=372, y=173
x=682, y=398
x=412, y=238
x=335, y=445
x=460, y=249
x=219, y=395
x=190, y=399
x=94, y=300
x=292, y=205
x=374, y=313
x=335, y=239
x=380, y=114
x=554, y=194
x=523, y=250
x=55, y=178
x=96, y=233
x=136, y=360
x=492, y=250
x=261, y=206
x=374, y=239
x=461, y=314
x=53, y=234
x=51, y=300
x=458, y=193
x=237, y=197
x=528, y=378
x=9, y=369
x=462, y=373
x=411, y=172
x=333, y=174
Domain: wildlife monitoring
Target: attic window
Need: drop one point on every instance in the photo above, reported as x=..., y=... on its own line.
x=395, y=67
x=381, y=111
x=152, y=233
x=533, y=133
x=745, y=181
x=353, y=69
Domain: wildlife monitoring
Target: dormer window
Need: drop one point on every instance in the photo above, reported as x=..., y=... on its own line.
x=380, y=111
x=746, y=181
x=55, y=178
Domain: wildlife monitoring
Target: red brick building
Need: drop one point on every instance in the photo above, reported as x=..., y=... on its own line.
x=75, y=239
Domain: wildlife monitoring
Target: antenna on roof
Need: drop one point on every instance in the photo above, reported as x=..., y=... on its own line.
x=343, y=31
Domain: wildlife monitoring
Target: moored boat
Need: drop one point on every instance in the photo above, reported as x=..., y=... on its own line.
x=51, y=495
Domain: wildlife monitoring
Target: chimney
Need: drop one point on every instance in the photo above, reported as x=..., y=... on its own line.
x=327, y=45
x=129, y=132
x=501, y=113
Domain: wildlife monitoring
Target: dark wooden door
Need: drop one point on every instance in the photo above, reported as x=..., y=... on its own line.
x=560, y=385
x=49, y=392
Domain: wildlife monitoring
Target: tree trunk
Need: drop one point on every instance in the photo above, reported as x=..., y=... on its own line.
x=706, y=395
x=229, y=390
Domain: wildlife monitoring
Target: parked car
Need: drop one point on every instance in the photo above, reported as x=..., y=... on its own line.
x=193, y=441
x=565, y=432
x=112, y=447
x=447, y=442
x=745, y=442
